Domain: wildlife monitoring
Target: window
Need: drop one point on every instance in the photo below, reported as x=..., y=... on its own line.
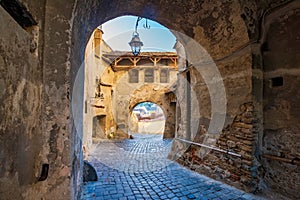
x=164, y=76
x=133, y=76
x=149, y=75
x=277, y=81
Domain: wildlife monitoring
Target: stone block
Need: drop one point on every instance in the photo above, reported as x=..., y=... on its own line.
x=231, y=144
x=242, y=125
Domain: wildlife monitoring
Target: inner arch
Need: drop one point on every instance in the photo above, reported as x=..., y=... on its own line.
x=147, y=118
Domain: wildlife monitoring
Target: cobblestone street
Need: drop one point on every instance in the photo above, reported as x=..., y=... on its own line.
x=139, y=169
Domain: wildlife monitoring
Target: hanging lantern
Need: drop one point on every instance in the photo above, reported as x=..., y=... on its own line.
x=135, y=44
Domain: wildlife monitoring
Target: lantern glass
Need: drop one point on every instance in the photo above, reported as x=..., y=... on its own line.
x=135, y=44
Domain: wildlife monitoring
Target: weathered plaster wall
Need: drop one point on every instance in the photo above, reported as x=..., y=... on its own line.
x=98, y=83
x=62, y=123
x=20, y=111
x=91, y=71
x=54, y=21
x=281, y=137
x=223, y=42
x=107, y=83
x=39, y=82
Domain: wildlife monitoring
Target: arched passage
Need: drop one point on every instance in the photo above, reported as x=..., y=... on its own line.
x=218, y=42
x=147, y=117
x=57, y=51
x=158, y=95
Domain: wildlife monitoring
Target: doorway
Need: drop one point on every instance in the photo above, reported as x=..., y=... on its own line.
x=99, y=127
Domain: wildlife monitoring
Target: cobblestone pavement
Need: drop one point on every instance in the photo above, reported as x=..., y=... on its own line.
x=139, y=169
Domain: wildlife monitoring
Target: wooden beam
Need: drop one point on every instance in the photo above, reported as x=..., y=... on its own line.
x=174, y=61
x=152, y=60
x=117, y=60
x=134, y=60
x=155, y=60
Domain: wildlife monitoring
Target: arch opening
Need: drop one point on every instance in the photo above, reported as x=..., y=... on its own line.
x=147, y=118
x=197, y=33
x=113, y=74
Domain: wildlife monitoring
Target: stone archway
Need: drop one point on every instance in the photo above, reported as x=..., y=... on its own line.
x=144, y=121
x=156, y=94
x=224, y=38
x=52, y=54
x=61, y=37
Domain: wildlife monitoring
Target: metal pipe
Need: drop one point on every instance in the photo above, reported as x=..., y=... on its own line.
x=210, y=147
x=294, y=161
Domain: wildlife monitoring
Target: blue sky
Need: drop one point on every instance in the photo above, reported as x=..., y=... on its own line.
x=118, y=32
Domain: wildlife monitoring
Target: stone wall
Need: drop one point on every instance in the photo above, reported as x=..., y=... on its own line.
x=37, y=82
x=281, y=108
x=243, y=85
x=128, y=95
x=42, y=121
x=236, y=169
x=62, y=124
x=20, y=110
x=155, y=93
x=216, y=78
